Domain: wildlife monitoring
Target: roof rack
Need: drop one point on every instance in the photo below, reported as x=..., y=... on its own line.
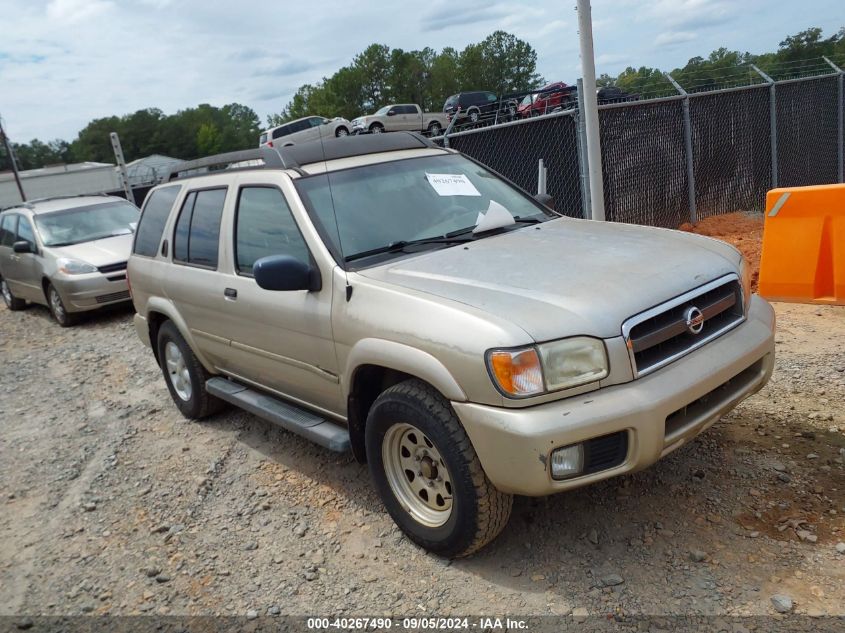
x=28, y=204
x=271, y=158
x=293, y=156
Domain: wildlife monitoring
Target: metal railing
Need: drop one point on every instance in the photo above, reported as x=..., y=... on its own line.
x=709, y=148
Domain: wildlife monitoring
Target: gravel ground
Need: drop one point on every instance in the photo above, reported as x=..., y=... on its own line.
x=114, y=504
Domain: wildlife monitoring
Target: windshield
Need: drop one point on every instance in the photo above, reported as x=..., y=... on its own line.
x=405, y=200
x=382, y=111
x=86, y=224
x=528, y=100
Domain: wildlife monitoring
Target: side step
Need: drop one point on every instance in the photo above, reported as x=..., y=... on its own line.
x=288, y=416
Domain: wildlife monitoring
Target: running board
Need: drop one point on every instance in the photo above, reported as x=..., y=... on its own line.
x=288, y=416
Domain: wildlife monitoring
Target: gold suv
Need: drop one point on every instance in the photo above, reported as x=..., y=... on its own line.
x=388, y=296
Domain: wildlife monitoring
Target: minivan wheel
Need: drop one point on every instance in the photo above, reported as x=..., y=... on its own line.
x=57, y=308
x=11, y=301
x=376, y=128
x=341, y=131
x=473, y=116
x=184, y=374
x=428, y=475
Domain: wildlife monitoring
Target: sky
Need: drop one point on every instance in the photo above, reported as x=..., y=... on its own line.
x=66, y=62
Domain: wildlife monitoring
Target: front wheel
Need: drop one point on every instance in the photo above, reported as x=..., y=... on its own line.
x=428, y=475
x=341, y=131
x=11, y=301
x=184, y=374
x=57, y=308
x=376, y=128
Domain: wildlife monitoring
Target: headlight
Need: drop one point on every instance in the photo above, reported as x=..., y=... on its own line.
x=745, y=277
x=534, y=370
x=573, y=361
x=75, y=267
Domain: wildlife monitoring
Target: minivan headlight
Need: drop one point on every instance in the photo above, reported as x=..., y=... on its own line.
x=534, y=370
x=74, y=266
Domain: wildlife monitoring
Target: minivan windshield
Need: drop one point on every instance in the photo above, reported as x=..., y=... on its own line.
x=374, y=206
x=86, y=224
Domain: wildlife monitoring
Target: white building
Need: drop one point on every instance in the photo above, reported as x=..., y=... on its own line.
x=59, y=180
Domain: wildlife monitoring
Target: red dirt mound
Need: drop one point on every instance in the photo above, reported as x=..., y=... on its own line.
x=742, y=230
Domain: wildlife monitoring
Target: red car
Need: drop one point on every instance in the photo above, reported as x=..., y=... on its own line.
x=550, y=98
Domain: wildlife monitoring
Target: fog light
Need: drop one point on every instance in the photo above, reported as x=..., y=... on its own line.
x=567, y=461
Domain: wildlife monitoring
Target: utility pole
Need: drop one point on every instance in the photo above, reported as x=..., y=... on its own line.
x=591, y=109
x=8, y=147
x=121, y=166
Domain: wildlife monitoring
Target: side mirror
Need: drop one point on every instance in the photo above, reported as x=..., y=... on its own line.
x=391, y=112
x=22, y=247
x=283, y=272
x=546, y=200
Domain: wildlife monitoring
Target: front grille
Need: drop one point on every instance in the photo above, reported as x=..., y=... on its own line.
x=112, y=268
x=114, y=296
x=661, y=335
x=606, y=451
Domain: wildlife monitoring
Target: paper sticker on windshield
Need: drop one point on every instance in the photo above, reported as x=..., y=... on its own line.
x=452, y=185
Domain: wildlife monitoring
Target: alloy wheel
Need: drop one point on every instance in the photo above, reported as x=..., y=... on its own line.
x=177, y=371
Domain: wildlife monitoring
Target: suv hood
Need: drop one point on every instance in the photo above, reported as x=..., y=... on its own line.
x=109, y=250
x=570, y=277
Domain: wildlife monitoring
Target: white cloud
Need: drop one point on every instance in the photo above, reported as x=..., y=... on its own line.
x=76, y=10
x=670, y=38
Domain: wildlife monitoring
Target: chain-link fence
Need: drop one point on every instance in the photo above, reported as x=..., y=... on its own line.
x=514, y=150
x=714, y=146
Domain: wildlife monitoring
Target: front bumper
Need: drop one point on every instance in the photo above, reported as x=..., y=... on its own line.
x=80, y=293
x=514, y=445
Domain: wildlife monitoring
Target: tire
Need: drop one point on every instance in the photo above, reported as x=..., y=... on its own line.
x=341, y=131
x=57, y=307
x=474, y=115
x=451, y=527
x=435, y=129
x=376, y=128
x=11, y=301
x=188, y=391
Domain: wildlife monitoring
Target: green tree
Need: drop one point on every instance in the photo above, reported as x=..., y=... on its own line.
x=209, y=140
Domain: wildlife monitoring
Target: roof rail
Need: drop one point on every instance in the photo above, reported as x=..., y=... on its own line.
x=293, y=156
x=28, y=204
x=271, y=158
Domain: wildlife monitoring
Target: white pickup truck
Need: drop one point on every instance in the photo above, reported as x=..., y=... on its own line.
x=401, y=117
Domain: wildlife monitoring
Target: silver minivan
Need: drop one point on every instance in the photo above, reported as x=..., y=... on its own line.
x=68, y=254
x=303, y=130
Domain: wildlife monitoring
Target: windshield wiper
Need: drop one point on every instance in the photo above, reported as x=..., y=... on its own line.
x=402, y=244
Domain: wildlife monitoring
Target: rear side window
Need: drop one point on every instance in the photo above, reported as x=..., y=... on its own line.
x=491, y=97
x=196, y=239
x=281, y=131
x=7, y=229
x=298, y=126
x=265, y=226
x=153, y=218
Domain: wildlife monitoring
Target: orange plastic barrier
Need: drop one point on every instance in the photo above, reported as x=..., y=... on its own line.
x=803, y=259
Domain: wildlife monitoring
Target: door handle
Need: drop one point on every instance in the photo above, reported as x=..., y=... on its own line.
x=230, y=293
